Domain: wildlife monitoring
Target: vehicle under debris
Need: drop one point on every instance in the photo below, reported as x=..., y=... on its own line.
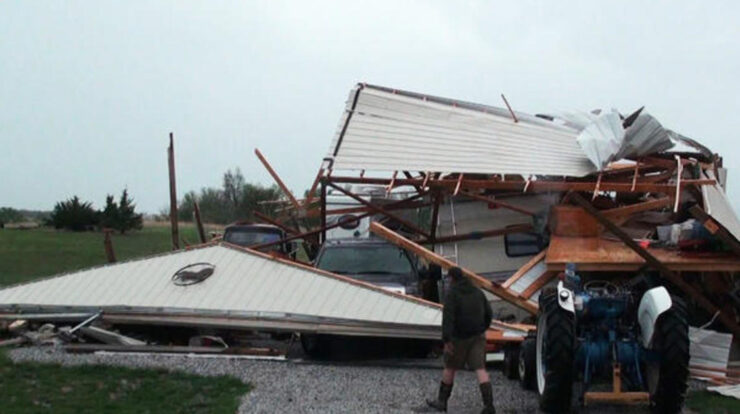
x=602, y=239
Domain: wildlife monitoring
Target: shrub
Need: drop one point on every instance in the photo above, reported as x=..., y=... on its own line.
x=74, y=215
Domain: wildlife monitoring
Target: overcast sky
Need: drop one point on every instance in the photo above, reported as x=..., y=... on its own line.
x=90, y=90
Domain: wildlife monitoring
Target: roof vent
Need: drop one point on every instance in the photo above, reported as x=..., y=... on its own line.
x=193, y=273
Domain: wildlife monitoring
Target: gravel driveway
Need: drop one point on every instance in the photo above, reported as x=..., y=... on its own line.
x=304, y=387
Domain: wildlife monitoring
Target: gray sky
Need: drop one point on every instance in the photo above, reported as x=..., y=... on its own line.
x=90, y=90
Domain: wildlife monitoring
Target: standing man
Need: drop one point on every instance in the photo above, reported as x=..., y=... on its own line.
x=465, y=319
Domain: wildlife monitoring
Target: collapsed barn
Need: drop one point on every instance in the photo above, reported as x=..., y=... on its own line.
x=522, y=203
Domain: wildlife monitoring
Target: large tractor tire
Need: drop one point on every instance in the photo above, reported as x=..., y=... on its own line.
x=667, y=378
x=527, y=360
x=555, y=353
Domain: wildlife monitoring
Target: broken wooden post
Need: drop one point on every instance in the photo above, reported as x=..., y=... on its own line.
x=727, y=320
x=173, y=195
x=432, y=257
x=199, y=222
x=108, y=243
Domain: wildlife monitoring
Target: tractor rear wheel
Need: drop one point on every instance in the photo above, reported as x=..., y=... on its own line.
x=667, y=378
x=555, y=353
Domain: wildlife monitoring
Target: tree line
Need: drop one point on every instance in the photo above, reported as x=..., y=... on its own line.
x=235, y=200
x=76, y=215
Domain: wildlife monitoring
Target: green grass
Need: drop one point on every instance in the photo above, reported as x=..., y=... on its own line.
x=712, y=403
x=49, y=388
x=30, y=254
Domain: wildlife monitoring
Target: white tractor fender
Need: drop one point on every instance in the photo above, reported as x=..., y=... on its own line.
x=565, y=298
x=654, y=302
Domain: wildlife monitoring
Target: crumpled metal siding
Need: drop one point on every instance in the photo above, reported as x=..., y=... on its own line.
x=717, y=205
x=243, y=283
x=387, y=130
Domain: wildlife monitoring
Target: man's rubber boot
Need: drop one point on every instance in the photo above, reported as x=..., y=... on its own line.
x=440, y=404
x=486, y=393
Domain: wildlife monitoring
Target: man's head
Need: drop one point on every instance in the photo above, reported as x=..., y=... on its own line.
x=455, y=274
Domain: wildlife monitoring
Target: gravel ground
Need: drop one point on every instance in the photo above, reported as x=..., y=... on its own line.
x=304, y=387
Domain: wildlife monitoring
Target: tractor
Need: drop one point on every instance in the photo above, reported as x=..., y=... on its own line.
x=635, y=338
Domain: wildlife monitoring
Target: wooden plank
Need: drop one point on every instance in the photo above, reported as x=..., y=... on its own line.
x=637, y=208
x=477, y=235
x=381, y=210
x=727, y=320
x=532, y=186
x=498, y=203
x=524, y=269
x=108, y=244
x=277, y=179
x=173, y=194
x=478, y=280
x=541, y=281
x=199, y=222
x=600, y=254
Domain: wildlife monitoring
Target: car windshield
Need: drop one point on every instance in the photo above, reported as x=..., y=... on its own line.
x=365, y=260
x=249, y=237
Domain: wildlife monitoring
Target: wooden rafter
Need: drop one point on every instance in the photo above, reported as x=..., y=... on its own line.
x=727, y=320
x=480, y=281
x=498, y=203
x=277, y=179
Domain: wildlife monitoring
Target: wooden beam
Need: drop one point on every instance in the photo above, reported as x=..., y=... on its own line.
x=477, y=235
x=637, y=208
x=534, y=186
x=108, y=244
x=498, y=203
x=478, y=280
x=524, y=269
x=277, y=179
x=538, y=283
x=309, y=196
x=324, y=227
x=270, y=220
x=384, y=211
x=173, y=194
x=199, y=223
x=727, y=320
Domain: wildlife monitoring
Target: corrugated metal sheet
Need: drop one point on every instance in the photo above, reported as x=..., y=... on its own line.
x=244, y=284
x=388, y=130
x=717, y=205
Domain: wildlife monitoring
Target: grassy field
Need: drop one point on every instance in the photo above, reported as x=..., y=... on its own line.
x=46, y=388
x=30, y=254
x=43, y=388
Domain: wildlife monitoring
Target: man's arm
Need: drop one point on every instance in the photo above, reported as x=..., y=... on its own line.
x=487, y=309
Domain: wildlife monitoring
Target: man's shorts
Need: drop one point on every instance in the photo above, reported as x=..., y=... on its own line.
x=470, y=352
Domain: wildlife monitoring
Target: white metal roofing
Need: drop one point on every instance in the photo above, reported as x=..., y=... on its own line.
x=244, y=284
x=717, y=205
x=388, y=130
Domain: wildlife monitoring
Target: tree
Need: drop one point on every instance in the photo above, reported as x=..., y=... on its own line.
x=10, y=215
x=120, y=216
x=109, y=216
x=74, y=215
x=128, y=219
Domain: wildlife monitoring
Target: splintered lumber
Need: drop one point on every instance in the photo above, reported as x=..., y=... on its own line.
x=478, y=280
x=727, y=320
x=173, y=194
x=277, y=179
x=89, y=348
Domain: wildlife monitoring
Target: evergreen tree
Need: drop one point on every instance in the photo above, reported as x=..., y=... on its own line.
x=109, y=217
x=128, y=219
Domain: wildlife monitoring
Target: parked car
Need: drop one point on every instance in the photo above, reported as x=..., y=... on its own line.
x=248, y=235
x=373, y=261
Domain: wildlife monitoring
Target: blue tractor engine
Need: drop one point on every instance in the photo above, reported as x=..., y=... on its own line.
x=606, y=332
